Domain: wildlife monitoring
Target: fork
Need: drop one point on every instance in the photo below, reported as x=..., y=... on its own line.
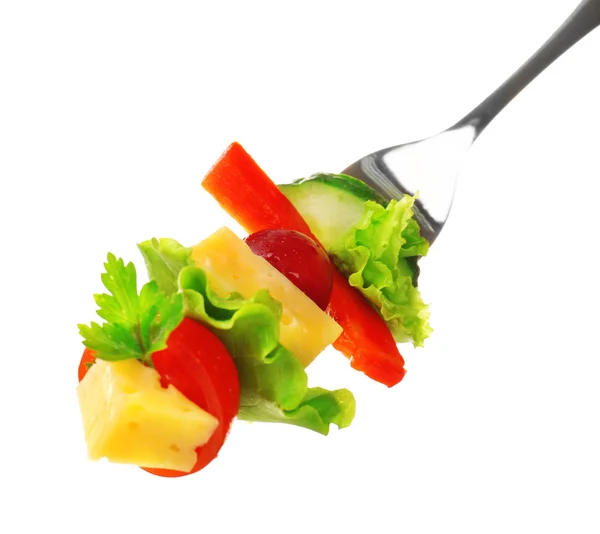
x=431, y=166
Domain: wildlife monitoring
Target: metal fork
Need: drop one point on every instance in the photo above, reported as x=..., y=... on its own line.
x=431, y=165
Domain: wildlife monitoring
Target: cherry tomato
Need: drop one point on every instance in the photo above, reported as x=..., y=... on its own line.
x=197, y=364
x=87, y=360
x=299, y=258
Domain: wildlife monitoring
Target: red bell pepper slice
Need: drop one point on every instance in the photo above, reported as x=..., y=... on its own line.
x=246, y=193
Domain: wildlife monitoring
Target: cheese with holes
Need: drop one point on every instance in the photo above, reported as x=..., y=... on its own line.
x=128, y=417
x=231, y=266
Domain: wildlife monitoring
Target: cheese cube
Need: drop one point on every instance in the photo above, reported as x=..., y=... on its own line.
x=128, y=417
x=231, y=266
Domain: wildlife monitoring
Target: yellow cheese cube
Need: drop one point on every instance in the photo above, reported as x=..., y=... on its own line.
x=128, y=417
x=231, y=266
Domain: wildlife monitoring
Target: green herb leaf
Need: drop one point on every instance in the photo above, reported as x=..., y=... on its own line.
x=136, y=324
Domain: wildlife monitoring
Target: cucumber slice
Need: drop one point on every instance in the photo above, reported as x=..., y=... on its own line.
x=330, y=204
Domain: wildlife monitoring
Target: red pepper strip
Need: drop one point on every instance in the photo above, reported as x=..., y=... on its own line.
x=366, y=339
x=246, y=193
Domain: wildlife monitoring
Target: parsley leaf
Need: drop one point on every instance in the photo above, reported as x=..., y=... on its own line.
x=136, y=324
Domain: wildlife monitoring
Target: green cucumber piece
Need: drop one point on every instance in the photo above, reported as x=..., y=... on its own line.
x=330, y=204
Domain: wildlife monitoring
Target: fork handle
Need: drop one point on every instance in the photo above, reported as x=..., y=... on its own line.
x=584, y=19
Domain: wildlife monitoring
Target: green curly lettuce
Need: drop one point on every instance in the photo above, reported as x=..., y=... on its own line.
x=379, y=256
x=164, y=260
x=273, y=382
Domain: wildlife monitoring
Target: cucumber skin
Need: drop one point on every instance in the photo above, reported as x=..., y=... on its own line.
x=337, y=187
x=352, y=186
x=330, y=204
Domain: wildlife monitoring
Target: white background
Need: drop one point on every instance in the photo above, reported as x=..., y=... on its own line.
x=110, y=114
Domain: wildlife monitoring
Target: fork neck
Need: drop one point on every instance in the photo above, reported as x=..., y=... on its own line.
x=584, y=19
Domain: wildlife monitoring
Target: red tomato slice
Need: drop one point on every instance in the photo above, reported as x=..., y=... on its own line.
x=197, y=364
x=88, y=358
x=299, y=258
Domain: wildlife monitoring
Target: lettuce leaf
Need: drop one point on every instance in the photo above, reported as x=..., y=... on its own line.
x=274, y=384
x=164, y=260
x=318, y=407
x=379, y=256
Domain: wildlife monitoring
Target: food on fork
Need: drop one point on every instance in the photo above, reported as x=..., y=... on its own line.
x=226, y=328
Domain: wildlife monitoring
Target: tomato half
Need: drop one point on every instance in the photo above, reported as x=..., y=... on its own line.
x=299, y=258
x=88, y=358
x=197, y=364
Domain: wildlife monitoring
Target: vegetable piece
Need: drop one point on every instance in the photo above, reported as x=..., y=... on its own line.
x=305, y=329
x=151, y=327
x=318, y=409
x=375, y=244
x=164, y=262
x=136, y=324
x=330, y=204
x=197, y=363
x=250, y=329
x=376, y=256
x=246, y=193
x=273, y=381
x=368, y=342
x=299, y=259
x=130, y=418
x=236, y=181
x=87, y=360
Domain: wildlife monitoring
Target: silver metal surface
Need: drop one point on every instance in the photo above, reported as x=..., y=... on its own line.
x=431, y=166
